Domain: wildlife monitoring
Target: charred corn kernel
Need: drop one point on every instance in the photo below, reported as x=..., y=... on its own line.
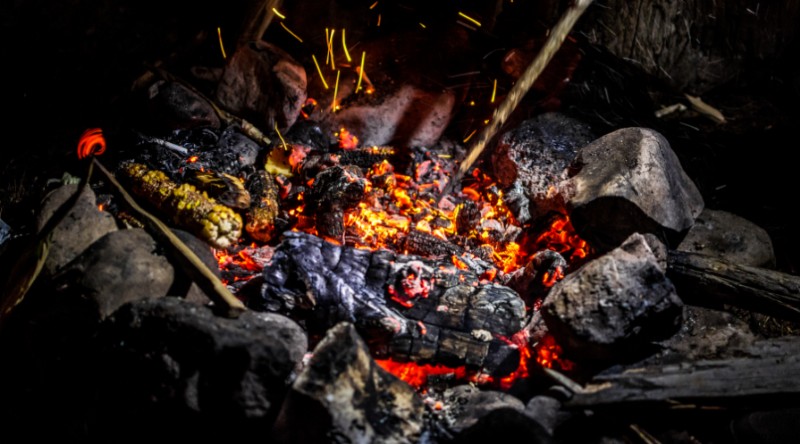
x=188, y=208
x=261, y=217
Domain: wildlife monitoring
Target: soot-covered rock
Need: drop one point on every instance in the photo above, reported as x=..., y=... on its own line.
x=630, y=181
x=173, y=106
x=531, y=163
x=83, y=225
x=613, y=305
x=174, y=368
x=409, y=307
x=264, y=85
x=729, y=237
x=467, y=404
x=120, y=267
x=342, y=395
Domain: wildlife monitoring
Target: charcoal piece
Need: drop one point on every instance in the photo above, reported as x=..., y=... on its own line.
x=342, y=395
x=614, y=305
x=531, y=163
x=233, y=153
x=170, y=367
x=427, y=245
x=335, y=190
x=468, y=217
x=412, y=308
x=539, y=274
x=630, y=181
x=83, y=225
x=365, y=158
x=546, y=408
x=310, y=133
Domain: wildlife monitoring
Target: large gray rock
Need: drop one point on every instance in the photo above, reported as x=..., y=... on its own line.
x=630, y=181
x=343, y=396
x=264, y=85
x=83, y=225
x=729, y=237
x=167, y=363
x=531, y=163
x=613, y=305
x=120, y=267
x=173, y=106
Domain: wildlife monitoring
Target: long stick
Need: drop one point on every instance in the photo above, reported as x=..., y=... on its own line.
x=518, y=91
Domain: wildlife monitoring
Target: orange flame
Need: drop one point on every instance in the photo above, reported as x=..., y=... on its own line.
x=92, y=143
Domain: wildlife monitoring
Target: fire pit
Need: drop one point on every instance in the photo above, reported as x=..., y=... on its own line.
x=267, y=247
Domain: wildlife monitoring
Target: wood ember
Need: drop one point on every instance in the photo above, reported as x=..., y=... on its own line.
x=531, y=162
x=539, y=274
x=264, y=85
x=411, y=308
x=343, y=393
x=729, y=237
x=334, y=191
x=630, y=181
x=614, y=305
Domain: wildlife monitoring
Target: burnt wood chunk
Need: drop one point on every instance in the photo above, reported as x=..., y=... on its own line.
x=424, y=244
x=630, y=181
x=260, y=219
x=264, y=85
x=343, y=393
x=707, y=280
x=335, y=190
x=531, y=162
x=765, y=376
x=409, y=307
x=614, y=305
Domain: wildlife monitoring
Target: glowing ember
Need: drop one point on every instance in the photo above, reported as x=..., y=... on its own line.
x=347, y=141
x=92, y=143
x=548, y=354
x=416, y=375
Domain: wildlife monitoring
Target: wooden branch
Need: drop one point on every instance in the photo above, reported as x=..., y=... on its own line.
x=767, y=376
x=704, y=280
x=257, y=20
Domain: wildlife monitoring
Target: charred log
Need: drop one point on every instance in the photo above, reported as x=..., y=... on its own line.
x=766, y=375
x=409, y=307
x=335, y=190
x=424, y=244
x=707, y=280
x=260, y=223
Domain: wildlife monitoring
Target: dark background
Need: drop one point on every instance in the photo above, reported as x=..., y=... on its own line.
x=69, y=65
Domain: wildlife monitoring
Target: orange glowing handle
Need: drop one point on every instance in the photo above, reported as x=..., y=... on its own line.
x=92, y=143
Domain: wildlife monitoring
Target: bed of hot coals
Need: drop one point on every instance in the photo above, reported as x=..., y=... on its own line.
x=537, y=302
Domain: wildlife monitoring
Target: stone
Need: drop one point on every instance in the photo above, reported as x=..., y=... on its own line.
x=342, y=395
x=466, y=404
x=531, y=162
x=729, y=237
x=546, y=408
x=173, y=106
x=81, y=227
x=630, y=181
x=614, y=305
x=171, y=367
x=505, y=424
x=264, y=85
x=183, y=285
x=120, y=267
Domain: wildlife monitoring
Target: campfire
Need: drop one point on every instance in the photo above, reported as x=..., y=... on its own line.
x=310, y=241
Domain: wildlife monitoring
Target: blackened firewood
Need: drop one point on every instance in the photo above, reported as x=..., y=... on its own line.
x=704, y=280
x=766, y=375
x=409, y=308
x=335, y=190
x=538, y=275
x=468, y=217
x=367, y=157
